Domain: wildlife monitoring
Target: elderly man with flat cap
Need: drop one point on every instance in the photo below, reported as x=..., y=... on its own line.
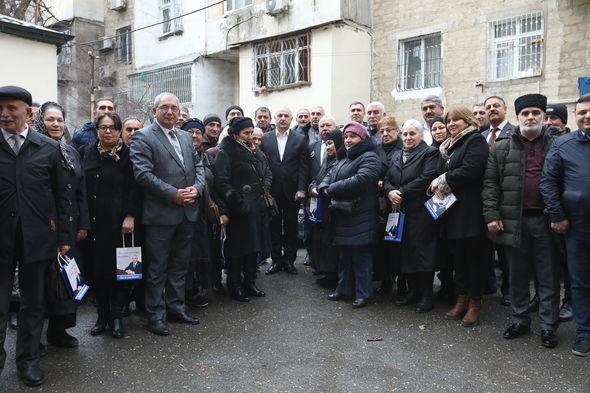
x=34, y=220
x=513, y=210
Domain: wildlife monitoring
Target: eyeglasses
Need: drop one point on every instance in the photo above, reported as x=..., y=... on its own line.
x=195, y=132
x=104, y=128
x=166, y=108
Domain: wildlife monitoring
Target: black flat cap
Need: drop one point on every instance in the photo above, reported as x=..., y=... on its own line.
x=16, y=93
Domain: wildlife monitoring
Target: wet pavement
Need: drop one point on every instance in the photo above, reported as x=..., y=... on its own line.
x=294, y=340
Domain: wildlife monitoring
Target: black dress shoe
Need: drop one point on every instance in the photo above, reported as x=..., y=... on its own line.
x=183, y=317
x=99, y=327
x=534, y=304
x=274, y=268
x=13, y=320
x=548, y=338
x=159, y=327
x=516, y=330
x=424, y=305
x=289, y=268
x=359, y=302
x=409, y=299
x=335, y=296
x=61, y=338
x=31, y=375
x=117, y=330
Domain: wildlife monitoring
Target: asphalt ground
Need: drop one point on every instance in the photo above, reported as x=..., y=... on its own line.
x=295, y=340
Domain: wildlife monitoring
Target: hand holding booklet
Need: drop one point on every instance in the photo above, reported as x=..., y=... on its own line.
x=438, y=206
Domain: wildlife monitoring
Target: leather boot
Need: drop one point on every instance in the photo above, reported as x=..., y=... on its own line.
x=234, y=273
x=117, y=330
x=412, y=296
x=471, y=318
x=250, y=267
x=102, y=308
x=459, y=309
x=101, y=323
x=425, y=304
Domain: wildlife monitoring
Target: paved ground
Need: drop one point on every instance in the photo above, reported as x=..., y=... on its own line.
x=294, y=340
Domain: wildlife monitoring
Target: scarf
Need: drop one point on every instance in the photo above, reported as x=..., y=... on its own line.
x=110, y=151
x=39, y=126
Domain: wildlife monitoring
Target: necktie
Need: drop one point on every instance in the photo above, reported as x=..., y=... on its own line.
x=16, y=143
x=492, y=137
x=175, y=144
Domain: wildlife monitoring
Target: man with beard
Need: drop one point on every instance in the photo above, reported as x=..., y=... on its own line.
x=431, y=107
x=288, y=156
x=513, y=210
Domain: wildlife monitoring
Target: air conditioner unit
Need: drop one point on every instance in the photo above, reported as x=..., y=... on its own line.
x=118, y=5
x=106, y=44
x=276, y=7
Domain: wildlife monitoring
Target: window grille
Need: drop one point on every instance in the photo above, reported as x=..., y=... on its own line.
x=124, y=44
x=176, y=79
x=420, y=63
x=282, y=62
x=516, y=46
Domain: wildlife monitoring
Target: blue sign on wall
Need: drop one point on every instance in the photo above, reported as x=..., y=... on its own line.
x=584, y=85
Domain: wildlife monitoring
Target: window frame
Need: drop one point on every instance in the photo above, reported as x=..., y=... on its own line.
x=124, y=40
x=266, y=52
x=520, y=48
x=170, y=26
x=230, y=5
x=425, y=63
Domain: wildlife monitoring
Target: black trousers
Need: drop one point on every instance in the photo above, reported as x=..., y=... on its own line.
x=469, y=257
x=32, y=307
x=283, y=231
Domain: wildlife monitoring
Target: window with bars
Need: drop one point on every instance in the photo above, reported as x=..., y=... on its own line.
x=231, y=5
x=176, y=79
x=516, y=46
x=282, y=62
x=170, y=9
x=124, y=44
x=420, y=63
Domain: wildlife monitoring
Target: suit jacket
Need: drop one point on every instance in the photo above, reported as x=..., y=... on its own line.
x=290, y=174
x=160, y=173
x=505, y=133
x=33, y=190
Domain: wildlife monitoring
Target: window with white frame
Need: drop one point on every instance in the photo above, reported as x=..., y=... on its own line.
x=516, y=46
x=420, y=63
x=177, y=79
x=124, y=44
x=170, y=9
x=231, y=5
x=282, y=62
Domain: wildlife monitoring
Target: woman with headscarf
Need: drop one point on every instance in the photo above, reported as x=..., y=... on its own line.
x=113, y=204
x=352, y=188
x=439, y=132
x=464, y=156
x=50, y=120
x=323, y=252
x=240, y=185
x=408, y=177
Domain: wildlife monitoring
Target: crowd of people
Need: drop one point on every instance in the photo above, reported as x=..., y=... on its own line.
x=201, y=199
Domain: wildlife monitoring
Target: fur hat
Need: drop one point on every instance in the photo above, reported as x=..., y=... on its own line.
x=530, y=100
x=237, y=124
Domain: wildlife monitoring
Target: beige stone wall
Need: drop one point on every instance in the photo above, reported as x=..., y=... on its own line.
x=464, y=28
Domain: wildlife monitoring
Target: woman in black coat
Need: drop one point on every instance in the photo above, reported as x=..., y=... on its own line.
x=352, y=187
x=464, y=157
x=50, y=121
x=239, y=183
x=324, y=253
x=113, y=205
x=408, y=177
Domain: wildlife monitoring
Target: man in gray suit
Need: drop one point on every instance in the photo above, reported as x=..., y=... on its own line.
x=171, y=174
x=495, y=107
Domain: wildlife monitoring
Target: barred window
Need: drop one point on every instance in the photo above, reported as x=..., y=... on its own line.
x=420, y=63
x=176, y=79
x=124, y=44
x=282, y=62
x=516, y=47
x=170, y=9
x=231, y=5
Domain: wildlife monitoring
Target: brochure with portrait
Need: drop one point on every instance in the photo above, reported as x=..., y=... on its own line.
x=394, y=227
x=316, y=210
x=437, y=207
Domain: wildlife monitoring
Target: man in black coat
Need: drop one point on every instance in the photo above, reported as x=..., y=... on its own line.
x=34, y=216
x=287, y=154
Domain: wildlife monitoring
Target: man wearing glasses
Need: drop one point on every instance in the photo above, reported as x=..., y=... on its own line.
x=171, y=174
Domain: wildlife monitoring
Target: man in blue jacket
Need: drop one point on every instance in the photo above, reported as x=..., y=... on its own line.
x=564, y=185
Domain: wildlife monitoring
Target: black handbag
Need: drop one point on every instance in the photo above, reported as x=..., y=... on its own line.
x=344, y=205
x=269, y=201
